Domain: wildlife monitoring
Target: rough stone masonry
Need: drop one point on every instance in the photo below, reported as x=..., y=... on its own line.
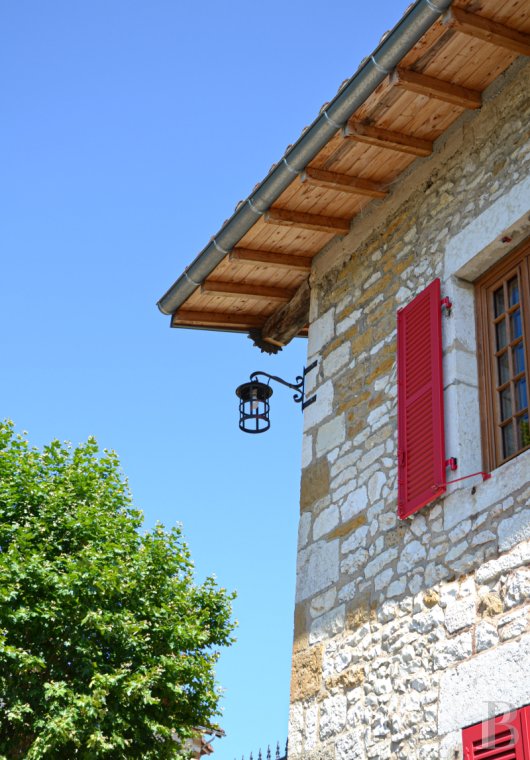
x=406, y=630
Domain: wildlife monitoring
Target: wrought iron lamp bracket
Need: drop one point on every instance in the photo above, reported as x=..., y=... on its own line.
x=298, y=386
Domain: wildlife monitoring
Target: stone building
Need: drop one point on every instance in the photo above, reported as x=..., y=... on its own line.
x=396, y=231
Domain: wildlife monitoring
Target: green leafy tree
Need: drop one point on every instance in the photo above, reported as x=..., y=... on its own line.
x=107, y=645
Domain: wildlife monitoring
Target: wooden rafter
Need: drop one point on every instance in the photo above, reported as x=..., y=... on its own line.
x=231, y=320
x=271, y=258
x=290, y=319
x=344, y=183
x=246, y=290
x=436, y=88
x=384, y=138
x=314, y=222
x=487, y=30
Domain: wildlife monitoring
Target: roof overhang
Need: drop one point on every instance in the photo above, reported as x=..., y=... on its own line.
x=434, y=65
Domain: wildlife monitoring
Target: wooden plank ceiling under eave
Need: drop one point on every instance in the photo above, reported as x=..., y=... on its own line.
x=263, y=281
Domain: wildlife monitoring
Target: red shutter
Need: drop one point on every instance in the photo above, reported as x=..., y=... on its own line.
x=524, y=714
x=421, y=444
x=506, y=737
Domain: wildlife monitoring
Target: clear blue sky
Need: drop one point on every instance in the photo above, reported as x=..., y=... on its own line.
x=129, y=132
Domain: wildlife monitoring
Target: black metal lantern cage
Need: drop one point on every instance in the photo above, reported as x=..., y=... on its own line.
x=254, y=399
x=254, y=406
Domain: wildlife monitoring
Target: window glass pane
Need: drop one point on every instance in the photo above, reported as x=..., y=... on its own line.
x=506, y=403
x=508, y=440
x=523, y=430
x=513, y=291
x=498, y=300
x=500, y=330
x=515, y=324
x=518, y=358
x=521, y=400
x=504, y=369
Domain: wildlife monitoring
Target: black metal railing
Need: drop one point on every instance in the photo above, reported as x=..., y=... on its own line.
x=269, y=754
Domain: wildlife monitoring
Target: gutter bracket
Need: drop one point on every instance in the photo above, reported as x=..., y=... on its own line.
x=332, y=121
x=254, y=208
x=190, y=279
x=291, y=169
x=380, y=68
x=220, y=248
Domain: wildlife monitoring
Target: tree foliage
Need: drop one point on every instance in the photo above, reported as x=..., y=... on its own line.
x=107, y=645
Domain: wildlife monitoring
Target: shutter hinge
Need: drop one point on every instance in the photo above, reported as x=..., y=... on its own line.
x=402, y=459
x=452, y=463
x=447, y=304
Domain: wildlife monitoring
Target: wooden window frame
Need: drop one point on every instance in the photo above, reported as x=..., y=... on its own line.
x=518, y=261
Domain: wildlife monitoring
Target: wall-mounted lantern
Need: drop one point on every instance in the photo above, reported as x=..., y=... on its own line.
x=254, y=398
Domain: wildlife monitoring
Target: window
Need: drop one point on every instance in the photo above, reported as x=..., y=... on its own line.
x=506, y=737
x=503, y=341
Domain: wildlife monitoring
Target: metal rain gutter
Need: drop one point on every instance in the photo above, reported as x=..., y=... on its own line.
x=350, y=97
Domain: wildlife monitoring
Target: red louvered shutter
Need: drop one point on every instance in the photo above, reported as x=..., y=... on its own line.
x=506, y=737
x=524, y=714
x=421, y=443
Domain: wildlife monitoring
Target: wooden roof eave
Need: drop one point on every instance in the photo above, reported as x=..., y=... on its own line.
x=416, y=21
x=270, y=261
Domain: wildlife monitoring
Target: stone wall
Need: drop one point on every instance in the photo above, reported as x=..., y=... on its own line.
x=405, y=631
